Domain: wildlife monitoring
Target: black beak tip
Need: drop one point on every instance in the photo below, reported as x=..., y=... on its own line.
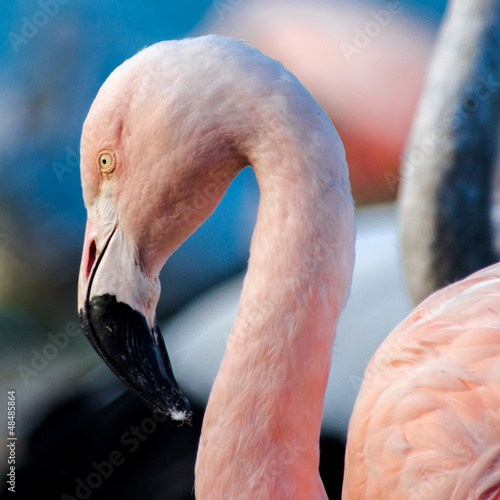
x=135, y=353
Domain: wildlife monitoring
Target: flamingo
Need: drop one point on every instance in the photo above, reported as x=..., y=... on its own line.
x=166, y=134
x=426, y=422
x=445, y=199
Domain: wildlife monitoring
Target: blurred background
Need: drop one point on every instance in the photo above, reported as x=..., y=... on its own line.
x=364, y=62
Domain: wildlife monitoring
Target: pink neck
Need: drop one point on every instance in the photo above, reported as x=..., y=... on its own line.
x=262, y=423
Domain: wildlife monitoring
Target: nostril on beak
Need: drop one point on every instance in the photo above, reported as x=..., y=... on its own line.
x=91, y=258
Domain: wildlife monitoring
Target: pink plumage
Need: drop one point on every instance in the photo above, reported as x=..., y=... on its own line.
x=427, y=422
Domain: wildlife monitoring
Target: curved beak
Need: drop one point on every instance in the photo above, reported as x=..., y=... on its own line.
x=116, y=302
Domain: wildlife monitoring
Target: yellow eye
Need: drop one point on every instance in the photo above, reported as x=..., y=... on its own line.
x=106, y=162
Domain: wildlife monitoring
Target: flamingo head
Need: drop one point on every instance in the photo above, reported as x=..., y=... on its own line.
x=148, y=179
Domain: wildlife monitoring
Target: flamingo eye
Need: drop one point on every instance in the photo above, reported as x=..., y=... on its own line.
x=106, y=162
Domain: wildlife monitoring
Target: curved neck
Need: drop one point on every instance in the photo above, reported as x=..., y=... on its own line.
x=261, y=426
x=448, y=172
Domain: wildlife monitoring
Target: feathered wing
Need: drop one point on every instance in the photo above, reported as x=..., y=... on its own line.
x=426, y=423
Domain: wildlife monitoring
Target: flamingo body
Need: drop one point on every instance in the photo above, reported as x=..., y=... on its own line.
x=427, y=423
